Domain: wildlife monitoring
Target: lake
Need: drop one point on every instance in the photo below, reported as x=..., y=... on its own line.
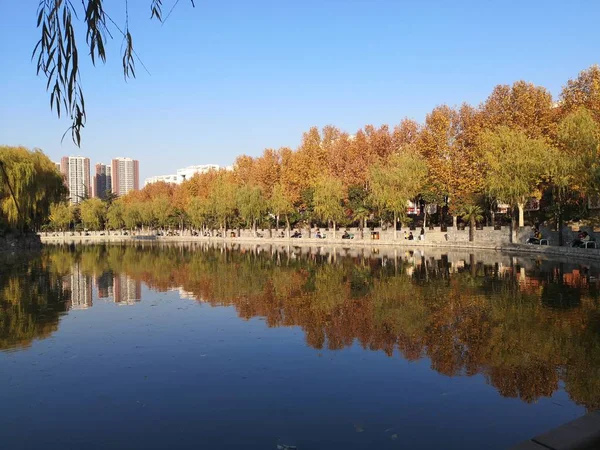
x=193, y=346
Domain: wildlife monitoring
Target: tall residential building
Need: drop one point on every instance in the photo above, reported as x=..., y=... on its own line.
x=76, y=172
x=102, y=181
x=125, y=175
x=57, y=166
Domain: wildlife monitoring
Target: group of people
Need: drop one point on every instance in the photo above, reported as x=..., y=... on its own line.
x=410, y=237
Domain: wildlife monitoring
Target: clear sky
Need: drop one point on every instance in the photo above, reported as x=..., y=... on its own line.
x=233, y=77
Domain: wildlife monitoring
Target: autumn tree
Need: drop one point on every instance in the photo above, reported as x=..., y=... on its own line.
x=583, y=91
x=328, y=197
x=396, y=181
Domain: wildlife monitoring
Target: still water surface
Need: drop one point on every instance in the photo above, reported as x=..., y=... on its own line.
x=194, y=346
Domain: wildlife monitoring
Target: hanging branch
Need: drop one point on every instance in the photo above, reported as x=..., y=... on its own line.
x=57, y=54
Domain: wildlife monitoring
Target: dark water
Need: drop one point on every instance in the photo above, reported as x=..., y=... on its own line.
x=204, y=347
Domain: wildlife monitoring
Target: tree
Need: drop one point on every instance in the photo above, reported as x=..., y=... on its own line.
x=251, y=204
x=281, y=205
x=583, y=91
x=516, y=165
x=93, y=212
x=573, y=165
x=222, y=199
x=358, y=198
x=29, y=185
x=328, y=196
x=61, y=216
x=57, y=50
x=472, y=214
x=396, y=181
x=162, y=210
x=198, y=211
x=114, y=215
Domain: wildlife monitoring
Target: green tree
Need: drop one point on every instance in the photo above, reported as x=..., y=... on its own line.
x=29, y=185
x=328, y=197
x=281, y=205
x=61, y=216
x=222, y=199
x=114, y=215
x=199, y=212
x=251, y=204
x=162, y=210
x=396, y=181
x=132, y=216
x=93, y=213
x=515, y=164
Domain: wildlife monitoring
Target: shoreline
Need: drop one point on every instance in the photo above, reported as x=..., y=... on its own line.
x=511, y=249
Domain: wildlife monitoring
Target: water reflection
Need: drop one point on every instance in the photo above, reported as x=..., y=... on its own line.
x=526, y=325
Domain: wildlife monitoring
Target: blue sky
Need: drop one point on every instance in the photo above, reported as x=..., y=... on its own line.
x=234, y=77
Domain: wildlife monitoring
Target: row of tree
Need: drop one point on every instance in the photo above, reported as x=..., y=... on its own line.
x=517, y=144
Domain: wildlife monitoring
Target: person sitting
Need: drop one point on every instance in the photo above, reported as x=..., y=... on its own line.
x=411, y=237
x=318, y=235
x=296, y=234
x=405, y=235
x=347, y=235
x=422, y=235
x=582, y=238
x=536, y=238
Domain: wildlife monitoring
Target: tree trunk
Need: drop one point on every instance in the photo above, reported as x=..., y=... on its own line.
x=521, y=208
x=333, y=228
x=455, y=221
x=395, y=225
x=277, y=223
x=513, y=227
x=254, y=227
x=425, y=216
x=471, y=230
x=493, y=214
x=559, y=223
x=287, y=225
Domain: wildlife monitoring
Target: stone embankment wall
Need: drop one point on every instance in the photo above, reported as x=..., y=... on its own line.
x=486, y=238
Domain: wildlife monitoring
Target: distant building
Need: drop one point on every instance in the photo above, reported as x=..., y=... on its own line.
x=57, y=166
x=183, y=174
x=164, y=178
x=125, y=175
x=76, y=173
x=102, y=183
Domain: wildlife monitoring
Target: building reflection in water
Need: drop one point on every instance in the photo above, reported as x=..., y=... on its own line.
x=80, y=287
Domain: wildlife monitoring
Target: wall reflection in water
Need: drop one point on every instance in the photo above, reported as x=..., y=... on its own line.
x=525, y=325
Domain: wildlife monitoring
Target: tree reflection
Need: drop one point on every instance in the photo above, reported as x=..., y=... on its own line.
x=524, y=329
